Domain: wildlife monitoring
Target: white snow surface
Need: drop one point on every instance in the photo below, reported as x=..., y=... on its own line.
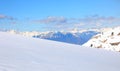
x=108, y=39
x=19, y=53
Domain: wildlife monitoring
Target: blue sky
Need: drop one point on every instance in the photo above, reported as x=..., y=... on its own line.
x=45, y=15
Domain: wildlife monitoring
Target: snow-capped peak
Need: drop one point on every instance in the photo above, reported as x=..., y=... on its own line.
x=109, y=39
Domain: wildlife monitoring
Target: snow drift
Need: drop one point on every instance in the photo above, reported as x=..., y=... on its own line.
x=19, y=53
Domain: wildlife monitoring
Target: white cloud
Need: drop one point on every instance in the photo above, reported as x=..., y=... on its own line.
x=2, y=16
x=52, y=19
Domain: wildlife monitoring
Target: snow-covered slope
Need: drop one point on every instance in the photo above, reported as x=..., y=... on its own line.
x=108, y=39
x=19, y=53
x=74, y=37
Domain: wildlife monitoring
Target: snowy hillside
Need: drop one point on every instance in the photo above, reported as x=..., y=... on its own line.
x=19, y=53
x=74, y=37
x=108, y=39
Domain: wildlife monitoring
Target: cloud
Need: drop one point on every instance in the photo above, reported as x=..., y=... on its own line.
x=13, y=22
x=94, y=21
x=53, y=22
x=52, y=19
x=100, y=20
x=79, y=24
x=2, y=16
x=6, y=17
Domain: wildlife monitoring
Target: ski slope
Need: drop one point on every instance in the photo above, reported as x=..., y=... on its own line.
x=19, y=53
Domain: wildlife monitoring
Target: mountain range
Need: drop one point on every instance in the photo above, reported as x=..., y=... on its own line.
x=76, y=37
x=105, y=38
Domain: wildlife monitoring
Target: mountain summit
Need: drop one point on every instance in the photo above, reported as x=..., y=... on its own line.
x=108, y=39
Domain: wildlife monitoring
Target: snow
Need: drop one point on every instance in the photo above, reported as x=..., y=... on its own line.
x=109, y=39
x=19, y=53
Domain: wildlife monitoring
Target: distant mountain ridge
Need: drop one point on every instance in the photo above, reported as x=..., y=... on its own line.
x=74, y=37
